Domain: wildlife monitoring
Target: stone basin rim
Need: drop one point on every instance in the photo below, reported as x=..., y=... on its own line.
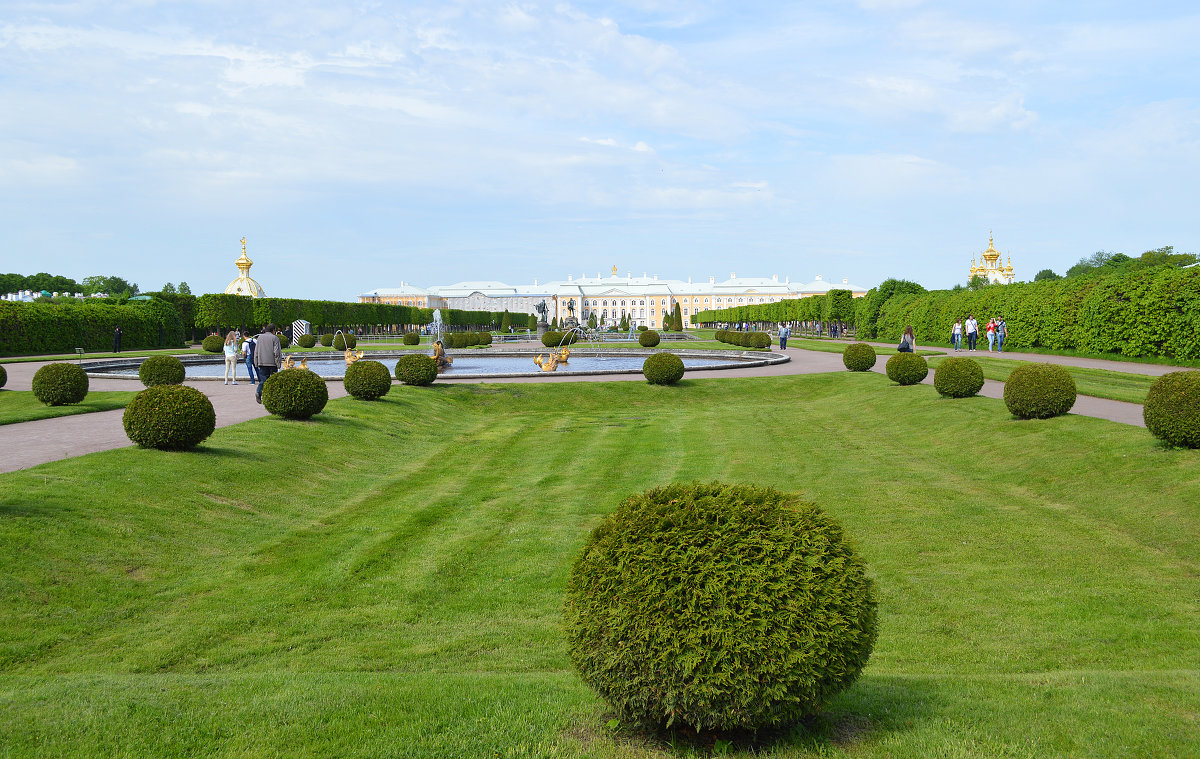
x=104, y=369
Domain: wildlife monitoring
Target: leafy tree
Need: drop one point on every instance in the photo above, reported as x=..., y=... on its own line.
x=867, y=311
x=169, y=289
x=592, y=320
x=677, y=319
x=1045, y=275
x=114, y=286
x=184, y=289
x=506, y=321
x=624, y=323
x=977, y=282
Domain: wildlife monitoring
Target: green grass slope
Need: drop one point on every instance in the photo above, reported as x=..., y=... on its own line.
x=386, y=579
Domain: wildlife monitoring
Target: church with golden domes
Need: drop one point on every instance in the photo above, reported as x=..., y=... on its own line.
x=244, y=285
x=991, y=267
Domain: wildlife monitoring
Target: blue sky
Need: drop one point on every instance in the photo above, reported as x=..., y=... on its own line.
x=359, y=144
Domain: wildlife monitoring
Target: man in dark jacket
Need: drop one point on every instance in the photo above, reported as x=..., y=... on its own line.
x=268, y=357
x=117, y=339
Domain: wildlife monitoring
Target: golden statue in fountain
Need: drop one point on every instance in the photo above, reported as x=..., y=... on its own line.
x=352, y=356
x=557, y=356
x=290, y=363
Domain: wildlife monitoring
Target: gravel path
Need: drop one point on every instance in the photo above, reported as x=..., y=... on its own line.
x=28, y=444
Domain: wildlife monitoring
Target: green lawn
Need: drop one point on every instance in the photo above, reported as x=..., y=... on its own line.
x=386, y=580
x=97, y=356
x=22, y=406
x=1101, y=383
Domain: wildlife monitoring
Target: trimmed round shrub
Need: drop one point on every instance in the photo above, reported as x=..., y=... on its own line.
x=718, y=607
x=60, y=383
x=169, y=417
x=327, y=340
x=958, y=377
x=306, y=341
x=859, y=357
x=642, y=328
x=553, y=338
x=649, y=339
x=663, y=369
x=161, y=370
x=412, y=338
x=1039, y=391
x=294, y=394
x=367, y=380
x=3, y=375
x=344, y=342
x=213, y=344
x=1172, y=410
x=416, y=369
x=485, y=338
x=907, y=368
x=283, y=341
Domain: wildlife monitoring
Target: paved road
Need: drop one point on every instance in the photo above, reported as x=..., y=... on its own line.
x=31, y=443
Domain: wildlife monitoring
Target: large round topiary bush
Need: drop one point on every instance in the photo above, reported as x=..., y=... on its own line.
x=213, y=344
x=1172, y=410
x=859, y=357
x=718, y=607
x=907, y=368
x=294, y=394
x=412, y=338
x=327, y=340
x=3, y=375
x=663, y=369
x=1039, y=391
x=169, y=417
x=649, y=339
x=342, y=342
x=367, y=380
x=958, y=377
x=60, y=383
x=161, y=370
x=416, y=369
x=306, y=341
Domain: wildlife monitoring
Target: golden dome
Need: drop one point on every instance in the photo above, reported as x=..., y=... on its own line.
x=244, y=285
x=991, y=255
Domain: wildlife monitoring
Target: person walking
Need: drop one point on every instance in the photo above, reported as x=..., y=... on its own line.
x=268, y=357
x=231, y=357
x=784, y=333
x=972, y=332
x=991, y=334
x=117, y=339
x=248, y=356
x=908, y=342
x=1001, y=333
x=956, y=335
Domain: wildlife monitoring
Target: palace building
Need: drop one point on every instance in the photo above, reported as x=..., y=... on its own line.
x=992, y=267
x=645, y=300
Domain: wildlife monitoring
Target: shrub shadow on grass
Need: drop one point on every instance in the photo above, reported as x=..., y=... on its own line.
x=873, y=708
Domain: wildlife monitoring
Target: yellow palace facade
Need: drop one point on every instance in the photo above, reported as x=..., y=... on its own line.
x=644, y=300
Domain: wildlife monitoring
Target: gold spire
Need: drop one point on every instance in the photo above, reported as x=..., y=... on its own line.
x=244, y=263
x=244, y=285
x=991, y=255
x=614, y=270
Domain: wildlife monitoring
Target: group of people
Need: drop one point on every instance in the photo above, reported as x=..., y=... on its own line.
x=262, y=354
x=997, y=332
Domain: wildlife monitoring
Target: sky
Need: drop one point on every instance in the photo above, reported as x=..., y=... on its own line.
x=358, y=145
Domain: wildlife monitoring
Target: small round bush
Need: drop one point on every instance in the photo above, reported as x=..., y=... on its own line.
x=649, y=339
x=3, y=375
x=327, y=340
x=859, y=357
x=306, y=341
x=1039, y=391
x=213, y=344
x=642, y=328
x=294, y=394
x=551, y=338
x=1172, y=410
x=718, y=607
x=161, y=370
x=412, y=338
x=343, y=342
x=367, y=380
x=416, y=369
x=60, y=383
x=283, y=340
x=663, y=369
x=907, y=368
x=958, y=377
x=485, y=338
x=169, y=417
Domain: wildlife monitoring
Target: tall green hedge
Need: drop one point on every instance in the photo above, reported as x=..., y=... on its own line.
x=1147, y=312
x=27, y=328
x=228, y=311
x=836, y=305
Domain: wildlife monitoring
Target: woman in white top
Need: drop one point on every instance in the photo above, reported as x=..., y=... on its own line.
x=231, y=357
x=956, y=335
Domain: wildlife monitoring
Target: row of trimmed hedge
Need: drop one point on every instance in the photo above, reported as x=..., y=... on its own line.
x=1148, y=312
x=466, y=339
x=32, y=328
x=553, y=338
x=835, y=305
x=744, y=339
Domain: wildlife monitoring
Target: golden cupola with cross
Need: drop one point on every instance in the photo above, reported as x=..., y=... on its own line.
x=244, y=285
x=991, y=267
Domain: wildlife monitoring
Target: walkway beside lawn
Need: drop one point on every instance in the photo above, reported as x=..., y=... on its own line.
x=28, y=444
